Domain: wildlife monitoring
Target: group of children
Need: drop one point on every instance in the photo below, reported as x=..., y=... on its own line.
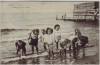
x=48, y=37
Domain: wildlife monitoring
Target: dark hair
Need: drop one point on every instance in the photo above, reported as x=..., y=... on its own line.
x=19, y=40
x=49, y=29
x=57, y=25
x=37, y=30
x=74, y=40
x=43, y=29
x=77, y=31
x=67, y=40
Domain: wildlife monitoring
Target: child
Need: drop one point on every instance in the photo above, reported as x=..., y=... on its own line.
x=57, y=35
x=42, y=38
x=78, y=35
x=34, y=39
x=20, y=45
x=65, y=45
x=49, y=38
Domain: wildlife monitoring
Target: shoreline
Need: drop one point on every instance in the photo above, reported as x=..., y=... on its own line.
x=77, y=61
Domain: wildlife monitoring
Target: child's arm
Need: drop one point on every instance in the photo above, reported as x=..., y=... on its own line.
x=40, y=38
x=16, y=44
x=29, y=36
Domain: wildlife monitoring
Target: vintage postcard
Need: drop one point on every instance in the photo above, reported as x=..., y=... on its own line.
x=49, y=32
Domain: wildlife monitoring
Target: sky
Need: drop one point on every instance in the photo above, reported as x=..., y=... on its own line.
x=32, y=7
x=37, y=6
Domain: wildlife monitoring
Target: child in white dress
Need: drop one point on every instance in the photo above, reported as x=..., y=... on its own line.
x=57, y=35
x=49, y=39
x=42, y=38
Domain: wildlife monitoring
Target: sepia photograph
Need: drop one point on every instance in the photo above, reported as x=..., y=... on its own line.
x=49, y=32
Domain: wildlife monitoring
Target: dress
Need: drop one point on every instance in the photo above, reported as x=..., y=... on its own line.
x=49, y=39
x=57, y=35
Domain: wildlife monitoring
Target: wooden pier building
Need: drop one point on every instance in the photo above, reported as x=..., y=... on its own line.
x=86, y=11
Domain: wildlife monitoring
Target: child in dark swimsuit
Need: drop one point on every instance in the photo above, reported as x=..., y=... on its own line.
x=34, y=39
x=20, y=45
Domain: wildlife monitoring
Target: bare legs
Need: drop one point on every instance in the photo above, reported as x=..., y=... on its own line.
x=36, y=46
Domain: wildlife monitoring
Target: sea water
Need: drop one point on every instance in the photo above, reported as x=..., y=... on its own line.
x=24, y=23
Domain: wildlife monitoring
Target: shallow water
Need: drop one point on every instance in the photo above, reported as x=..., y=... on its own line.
x=90, y=30
x=8, y=39
x=57, y=60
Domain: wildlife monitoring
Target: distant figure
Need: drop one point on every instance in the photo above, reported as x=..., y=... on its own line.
x=57, y=35
x=42, y=38
x=33, y=38
x=56, y=17
x=20, y=45
x=62, y=17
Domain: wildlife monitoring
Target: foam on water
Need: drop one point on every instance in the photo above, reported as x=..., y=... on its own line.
x=25, y=57
x=13, y=39
x=87, y=28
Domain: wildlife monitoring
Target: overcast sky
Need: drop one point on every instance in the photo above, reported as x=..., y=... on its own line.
x=37, y=6
x=32, y=7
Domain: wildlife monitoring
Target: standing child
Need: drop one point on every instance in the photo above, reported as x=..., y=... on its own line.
x=34, y=39
x=42, y=38
x=49, y=38
x=57, y=35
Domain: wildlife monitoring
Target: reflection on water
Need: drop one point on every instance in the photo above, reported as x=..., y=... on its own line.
x=23, y=61
x=57, y=59
x=36, y=60
x=43, y=60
